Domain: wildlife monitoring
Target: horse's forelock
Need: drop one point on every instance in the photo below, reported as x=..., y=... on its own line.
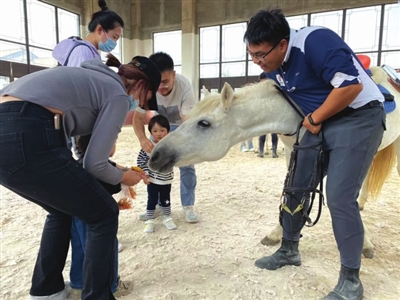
x=213, y=100
x=209, y=103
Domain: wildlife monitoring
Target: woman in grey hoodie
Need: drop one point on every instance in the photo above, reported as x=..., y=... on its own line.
x=105, y=29
x=38, y=112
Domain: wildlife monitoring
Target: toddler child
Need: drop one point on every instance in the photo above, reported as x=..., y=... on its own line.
x=159, y=188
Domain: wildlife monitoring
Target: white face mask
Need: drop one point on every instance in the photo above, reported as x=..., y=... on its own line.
x=133, y=103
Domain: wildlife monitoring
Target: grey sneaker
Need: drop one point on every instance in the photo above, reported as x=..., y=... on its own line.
x=61, y=295
x=124, y=288
x=75, y=294
x=157, y=213
x=169, y=223
x=190, y=215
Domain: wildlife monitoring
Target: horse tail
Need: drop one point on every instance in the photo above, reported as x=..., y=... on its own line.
x=380, y=169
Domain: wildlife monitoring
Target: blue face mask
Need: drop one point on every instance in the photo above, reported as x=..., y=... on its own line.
x=133, y=103
x=108, y=46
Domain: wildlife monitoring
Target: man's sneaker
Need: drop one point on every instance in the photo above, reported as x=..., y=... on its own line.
x=61, y=295
x=169, y=223
x=124, y=288
x=190, y=215
x=120, y=247
x=149, y=228
x=158, y=212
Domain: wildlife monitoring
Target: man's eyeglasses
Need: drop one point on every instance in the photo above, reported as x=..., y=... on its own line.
x=164, y=85
x=263, y=56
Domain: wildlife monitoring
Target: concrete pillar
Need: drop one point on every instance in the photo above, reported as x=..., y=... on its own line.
x=136, y=45
x=190, y=44
x=89, y=7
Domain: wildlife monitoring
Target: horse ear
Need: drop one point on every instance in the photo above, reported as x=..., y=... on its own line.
x=227, y=95
x=205, y=91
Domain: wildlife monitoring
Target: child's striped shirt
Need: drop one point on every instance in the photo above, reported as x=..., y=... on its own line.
x=155, y=177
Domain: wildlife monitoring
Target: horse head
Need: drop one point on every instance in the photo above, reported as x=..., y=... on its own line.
x=220, y=121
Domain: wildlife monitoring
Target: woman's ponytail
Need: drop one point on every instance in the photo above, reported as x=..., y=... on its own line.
x=112, y=61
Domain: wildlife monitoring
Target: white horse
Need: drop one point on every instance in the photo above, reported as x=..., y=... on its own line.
x=220, y=121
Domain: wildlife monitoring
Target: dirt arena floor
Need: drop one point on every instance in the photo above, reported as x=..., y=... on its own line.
x=237, y=200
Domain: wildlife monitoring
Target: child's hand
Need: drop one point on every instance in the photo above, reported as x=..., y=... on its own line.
x=146, y=179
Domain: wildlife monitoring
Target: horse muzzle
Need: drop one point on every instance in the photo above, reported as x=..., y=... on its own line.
x=162, y=162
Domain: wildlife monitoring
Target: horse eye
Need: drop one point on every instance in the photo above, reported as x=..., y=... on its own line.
x=203, y=124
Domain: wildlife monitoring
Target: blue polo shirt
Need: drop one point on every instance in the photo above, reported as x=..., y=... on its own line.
x=317, y=61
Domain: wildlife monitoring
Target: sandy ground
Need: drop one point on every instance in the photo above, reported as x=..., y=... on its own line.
x=237, y=200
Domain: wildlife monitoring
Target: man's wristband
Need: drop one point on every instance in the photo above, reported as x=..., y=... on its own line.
x=310, y=119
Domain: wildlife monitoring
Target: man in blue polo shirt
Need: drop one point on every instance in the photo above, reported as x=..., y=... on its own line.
x=325, y=79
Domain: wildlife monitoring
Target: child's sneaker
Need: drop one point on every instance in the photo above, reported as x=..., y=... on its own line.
x=169, y=223
x=158, y=212
x=120, y=247
x=190, y=215
x=149, y=228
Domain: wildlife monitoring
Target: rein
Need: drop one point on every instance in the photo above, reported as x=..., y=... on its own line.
x=306, y=202
x=296, y=108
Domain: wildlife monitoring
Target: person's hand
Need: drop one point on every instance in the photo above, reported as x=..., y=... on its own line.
x=396, y=87
x=131, y=177
x=145, y=178
x=315, y=129
x=146, y=145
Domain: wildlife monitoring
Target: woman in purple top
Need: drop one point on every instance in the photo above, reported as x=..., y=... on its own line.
x=105, y=29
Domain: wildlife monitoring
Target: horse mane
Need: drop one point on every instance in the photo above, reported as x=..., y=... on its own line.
x=378, y=75
x=213, y=100
x=264, y=88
